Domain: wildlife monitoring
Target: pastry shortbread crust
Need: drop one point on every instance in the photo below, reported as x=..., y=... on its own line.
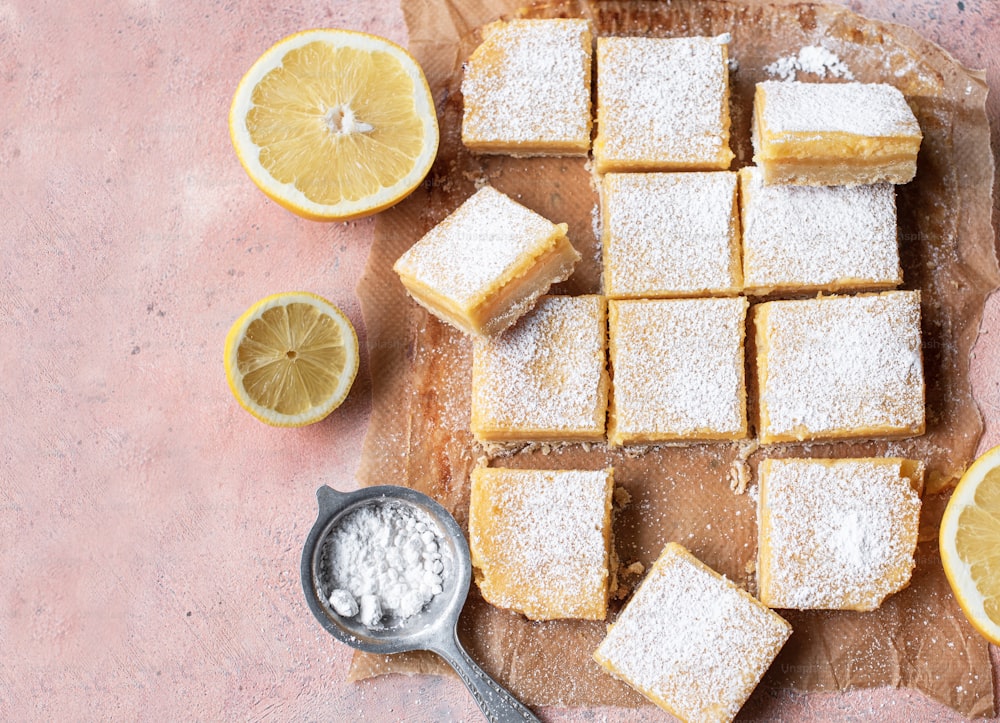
x=526, y=89
x=662, y=104
x=817, y=238
x=487, y=263
x=840, y=366
x=691, y=641
x=834, y=134
x=677, y=370
x=836, y=533
x=670, y=234
x=540, y=540
x=545, y=378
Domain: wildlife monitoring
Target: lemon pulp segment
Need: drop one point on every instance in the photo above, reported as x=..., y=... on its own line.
x=321, y=128
x=291, y=358
x=977, y=539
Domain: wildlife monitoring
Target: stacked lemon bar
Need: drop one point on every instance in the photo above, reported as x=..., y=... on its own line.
x=794, y=258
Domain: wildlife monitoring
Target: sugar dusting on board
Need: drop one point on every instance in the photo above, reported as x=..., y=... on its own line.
x=810, y=59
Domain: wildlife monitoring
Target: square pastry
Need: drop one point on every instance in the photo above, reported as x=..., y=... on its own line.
x=817, y=238
x=545, y=378
x=691, y=641
x=540, y=540
x=836, y=534
x=670, y=234
x=526, y=89
x=840, y=366
x=662, y=104
x=487, y=263
x=834, y=134
x=677, y=370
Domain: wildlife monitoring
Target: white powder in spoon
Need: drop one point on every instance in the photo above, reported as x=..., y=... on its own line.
x=384, y=563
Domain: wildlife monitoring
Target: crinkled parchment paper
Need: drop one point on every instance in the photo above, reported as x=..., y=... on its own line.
x=421, y=368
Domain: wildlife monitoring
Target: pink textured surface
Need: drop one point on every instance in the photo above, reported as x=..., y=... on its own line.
x=151, y=529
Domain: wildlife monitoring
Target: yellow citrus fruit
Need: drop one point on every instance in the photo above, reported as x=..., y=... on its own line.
x=970, y=544
x=335, y=124
x=291, y=358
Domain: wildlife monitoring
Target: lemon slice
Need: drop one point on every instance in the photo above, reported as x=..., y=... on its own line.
x=291, y=358
x=970, y=544
x=335, y=124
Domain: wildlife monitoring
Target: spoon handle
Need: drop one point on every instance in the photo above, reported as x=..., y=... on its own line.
x=497, y=705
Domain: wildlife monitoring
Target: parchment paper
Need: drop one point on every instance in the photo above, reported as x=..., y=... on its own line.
x=421, y=368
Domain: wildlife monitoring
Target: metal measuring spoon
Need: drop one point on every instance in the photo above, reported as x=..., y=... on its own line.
x=435, y=627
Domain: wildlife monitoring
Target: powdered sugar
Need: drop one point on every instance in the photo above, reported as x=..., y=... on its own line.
x=810, y=59
x=662, y=102
x=678, y=369
x=691, y=640
x=383, y=561
x=868, y=109
x=546, y=376
x=669, y=234
x=818, y=237
x=480, y=243
x=842, y=366
x=839, y=533
x=539, y=538
x=529, y=82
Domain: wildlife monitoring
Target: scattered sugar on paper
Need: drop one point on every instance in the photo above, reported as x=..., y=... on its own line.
x=810, y=59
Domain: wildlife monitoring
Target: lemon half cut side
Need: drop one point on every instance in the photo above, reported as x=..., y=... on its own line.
x=291, y=358
x=335, y=124
x=970, y=544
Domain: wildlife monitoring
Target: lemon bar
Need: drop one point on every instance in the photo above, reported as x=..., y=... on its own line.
x=541, y=539
x=545, y=378
x=836, y=534
x=487, y=263
x=677, y=370
x=834, y=134
x=662, y=104
x=526, y=89
x=670, y=234
x=840, y=366
x=817, y=238
x=691, y=641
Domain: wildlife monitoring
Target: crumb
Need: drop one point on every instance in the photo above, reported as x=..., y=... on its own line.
x=622, y=497
x=636, y=568
x=739, y=476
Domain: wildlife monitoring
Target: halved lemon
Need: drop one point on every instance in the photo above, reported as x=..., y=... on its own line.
x=291, y=358
x=970, y=544
x=335, y=124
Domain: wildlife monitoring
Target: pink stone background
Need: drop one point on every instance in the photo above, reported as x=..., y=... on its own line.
x=150, y=530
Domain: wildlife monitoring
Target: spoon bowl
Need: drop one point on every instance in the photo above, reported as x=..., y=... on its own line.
x=435, y=627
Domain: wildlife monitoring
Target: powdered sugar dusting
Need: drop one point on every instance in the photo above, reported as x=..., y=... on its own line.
x=539, y=538
x=810, y=59
x=840, y=533
x=530, y=82
x=662, y=100
x=545, y=376
x=479, y=244
x=383, y=563
x=692, y=640
x=678, y=368
x=669, y=233
x=818, y=237
x=843, y=365
x=868, y=109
